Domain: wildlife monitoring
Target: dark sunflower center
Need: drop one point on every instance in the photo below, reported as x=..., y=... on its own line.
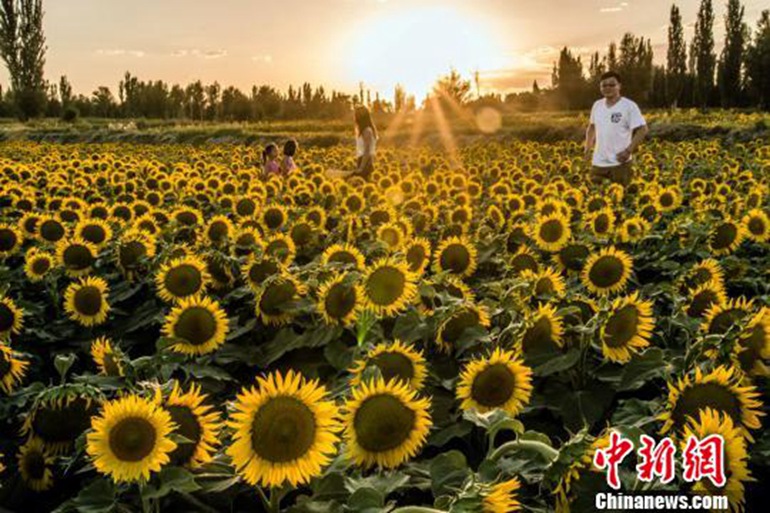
x=524, y=262
x=343, y=257
x=278, y=249
x=621, y=326
x=132, y=439
x=218, y=231
x=51, y=231
x=493, y=386
x=538, y=339
x=544, y=286
x=606, y=271
x=196, y=325
x=88, y=300
x=276, y=297
x=666, y=199
x=190, y=428
x=8, y=240
x=40, y=265
x=29, y=225
x=54, y=424
x=458, y=323
x=183, y=280
x=187, y=218
x=111, y=367
x=94, y=233
x=455, y=258
x=273, y=218
x=301, y=234
x=5, y=365
x=601, y=224
x=78, y=257
x=756, y=226
x=394, y=365
x=701, y=302
x=551, y=230
x=34, y=465
x=131, y=252
x=260, y=271
x=724, y=236
x=706, y=395
x=415, y=256
x=752, y=345
x=723, y=321
x=245, y=207
x=391, y=237
x=283, y=430
x=382, y=423
x=7, y=318
x=340, y=301
x=386, y=285
x=573, y=256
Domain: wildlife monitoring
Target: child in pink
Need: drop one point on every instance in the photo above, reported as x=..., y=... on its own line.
x=270, y=160
x=289, y=150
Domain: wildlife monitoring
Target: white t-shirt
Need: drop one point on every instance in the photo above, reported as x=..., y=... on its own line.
x=614, y=129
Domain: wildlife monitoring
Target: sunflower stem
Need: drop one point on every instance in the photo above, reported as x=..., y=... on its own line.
x=276, y=494
x=264, y=498
x=533, y=445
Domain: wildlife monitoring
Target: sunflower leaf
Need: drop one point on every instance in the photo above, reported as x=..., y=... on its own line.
x=171, y=479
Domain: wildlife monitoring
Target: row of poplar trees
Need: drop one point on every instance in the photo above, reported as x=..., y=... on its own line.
x=693, y=75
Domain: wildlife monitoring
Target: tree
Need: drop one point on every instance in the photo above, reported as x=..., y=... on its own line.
x=104, y=104
x=399, y=98
x=731, y=60
x=676, y=59
x=568, y=80
x=758, y=62
x=22, y=47
x=703, y=51
x=65, y=91
x=212, y=101
x=635, y=67
x=453, y=87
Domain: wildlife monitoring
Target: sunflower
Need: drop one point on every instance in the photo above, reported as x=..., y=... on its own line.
x=50, y=229
x=500, y=381
x=35, y=465
x=130, y=438
x=545, y=283
x=258, y=269
x=524, y=260
x=182, y=278
x=281, y=247
x=704, y=297
x=37, y=264
x=417, y=254
x=95, y=231
x=467, y=316
x=456, y=255
x=389, y=287
x=607, y=271
x=340, y=300
x=720, y=317
x=756, y=225
x=11, y=239
x=543, y=334
x=753, y=346
x=633, y=229
x=346, y=254
x=274, y=217
x=391, y=235
x=134, y=247
x=219, y=230
x=197, y=422
x=668, y=199
x=76, y=256
x=502, y=498
x=198, y=326
x=393, y=361
x=276, y=300
x=86, y=301
x=602, y=223
x=702, y=273
x=721, y=390
x=385, y=423
x=551, y=232
x=106, y=358
x=246, y=241
x=627, y=329
x=285, y=430
x=11, y=318
x=11, y=370
x=714, y=422
x=572, y=257
x=726, y=237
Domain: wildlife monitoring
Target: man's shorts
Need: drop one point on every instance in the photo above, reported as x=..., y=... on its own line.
x=621, y=174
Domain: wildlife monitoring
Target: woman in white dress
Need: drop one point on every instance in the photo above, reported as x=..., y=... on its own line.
x=366, y=142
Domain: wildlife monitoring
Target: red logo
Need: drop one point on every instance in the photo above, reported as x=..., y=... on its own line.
x=705, y=459
x=611, y=457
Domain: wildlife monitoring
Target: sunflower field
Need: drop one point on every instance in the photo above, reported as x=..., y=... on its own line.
x=458, y=334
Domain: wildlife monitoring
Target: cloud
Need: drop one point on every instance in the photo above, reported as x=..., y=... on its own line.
x=195, y=52
x=265, y=59
x=610, y=9
x=117, y=52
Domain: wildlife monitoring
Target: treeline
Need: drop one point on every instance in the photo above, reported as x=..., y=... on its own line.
x=693, y=75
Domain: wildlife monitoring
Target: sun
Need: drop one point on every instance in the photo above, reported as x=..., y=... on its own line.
x=415, y=47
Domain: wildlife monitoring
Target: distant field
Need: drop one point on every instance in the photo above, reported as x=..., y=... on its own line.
x=539, y=126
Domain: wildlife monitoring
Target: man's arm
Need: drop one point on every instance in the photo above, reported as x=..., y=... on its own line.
x=639, y=133
x=590, y=140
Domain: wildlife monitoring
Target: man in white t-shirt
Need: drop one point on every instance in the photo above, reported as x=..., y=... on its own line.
x=615, y=130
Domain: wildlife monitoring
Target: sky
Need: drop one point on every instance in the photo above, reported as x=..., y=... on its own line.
x=339, y=43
